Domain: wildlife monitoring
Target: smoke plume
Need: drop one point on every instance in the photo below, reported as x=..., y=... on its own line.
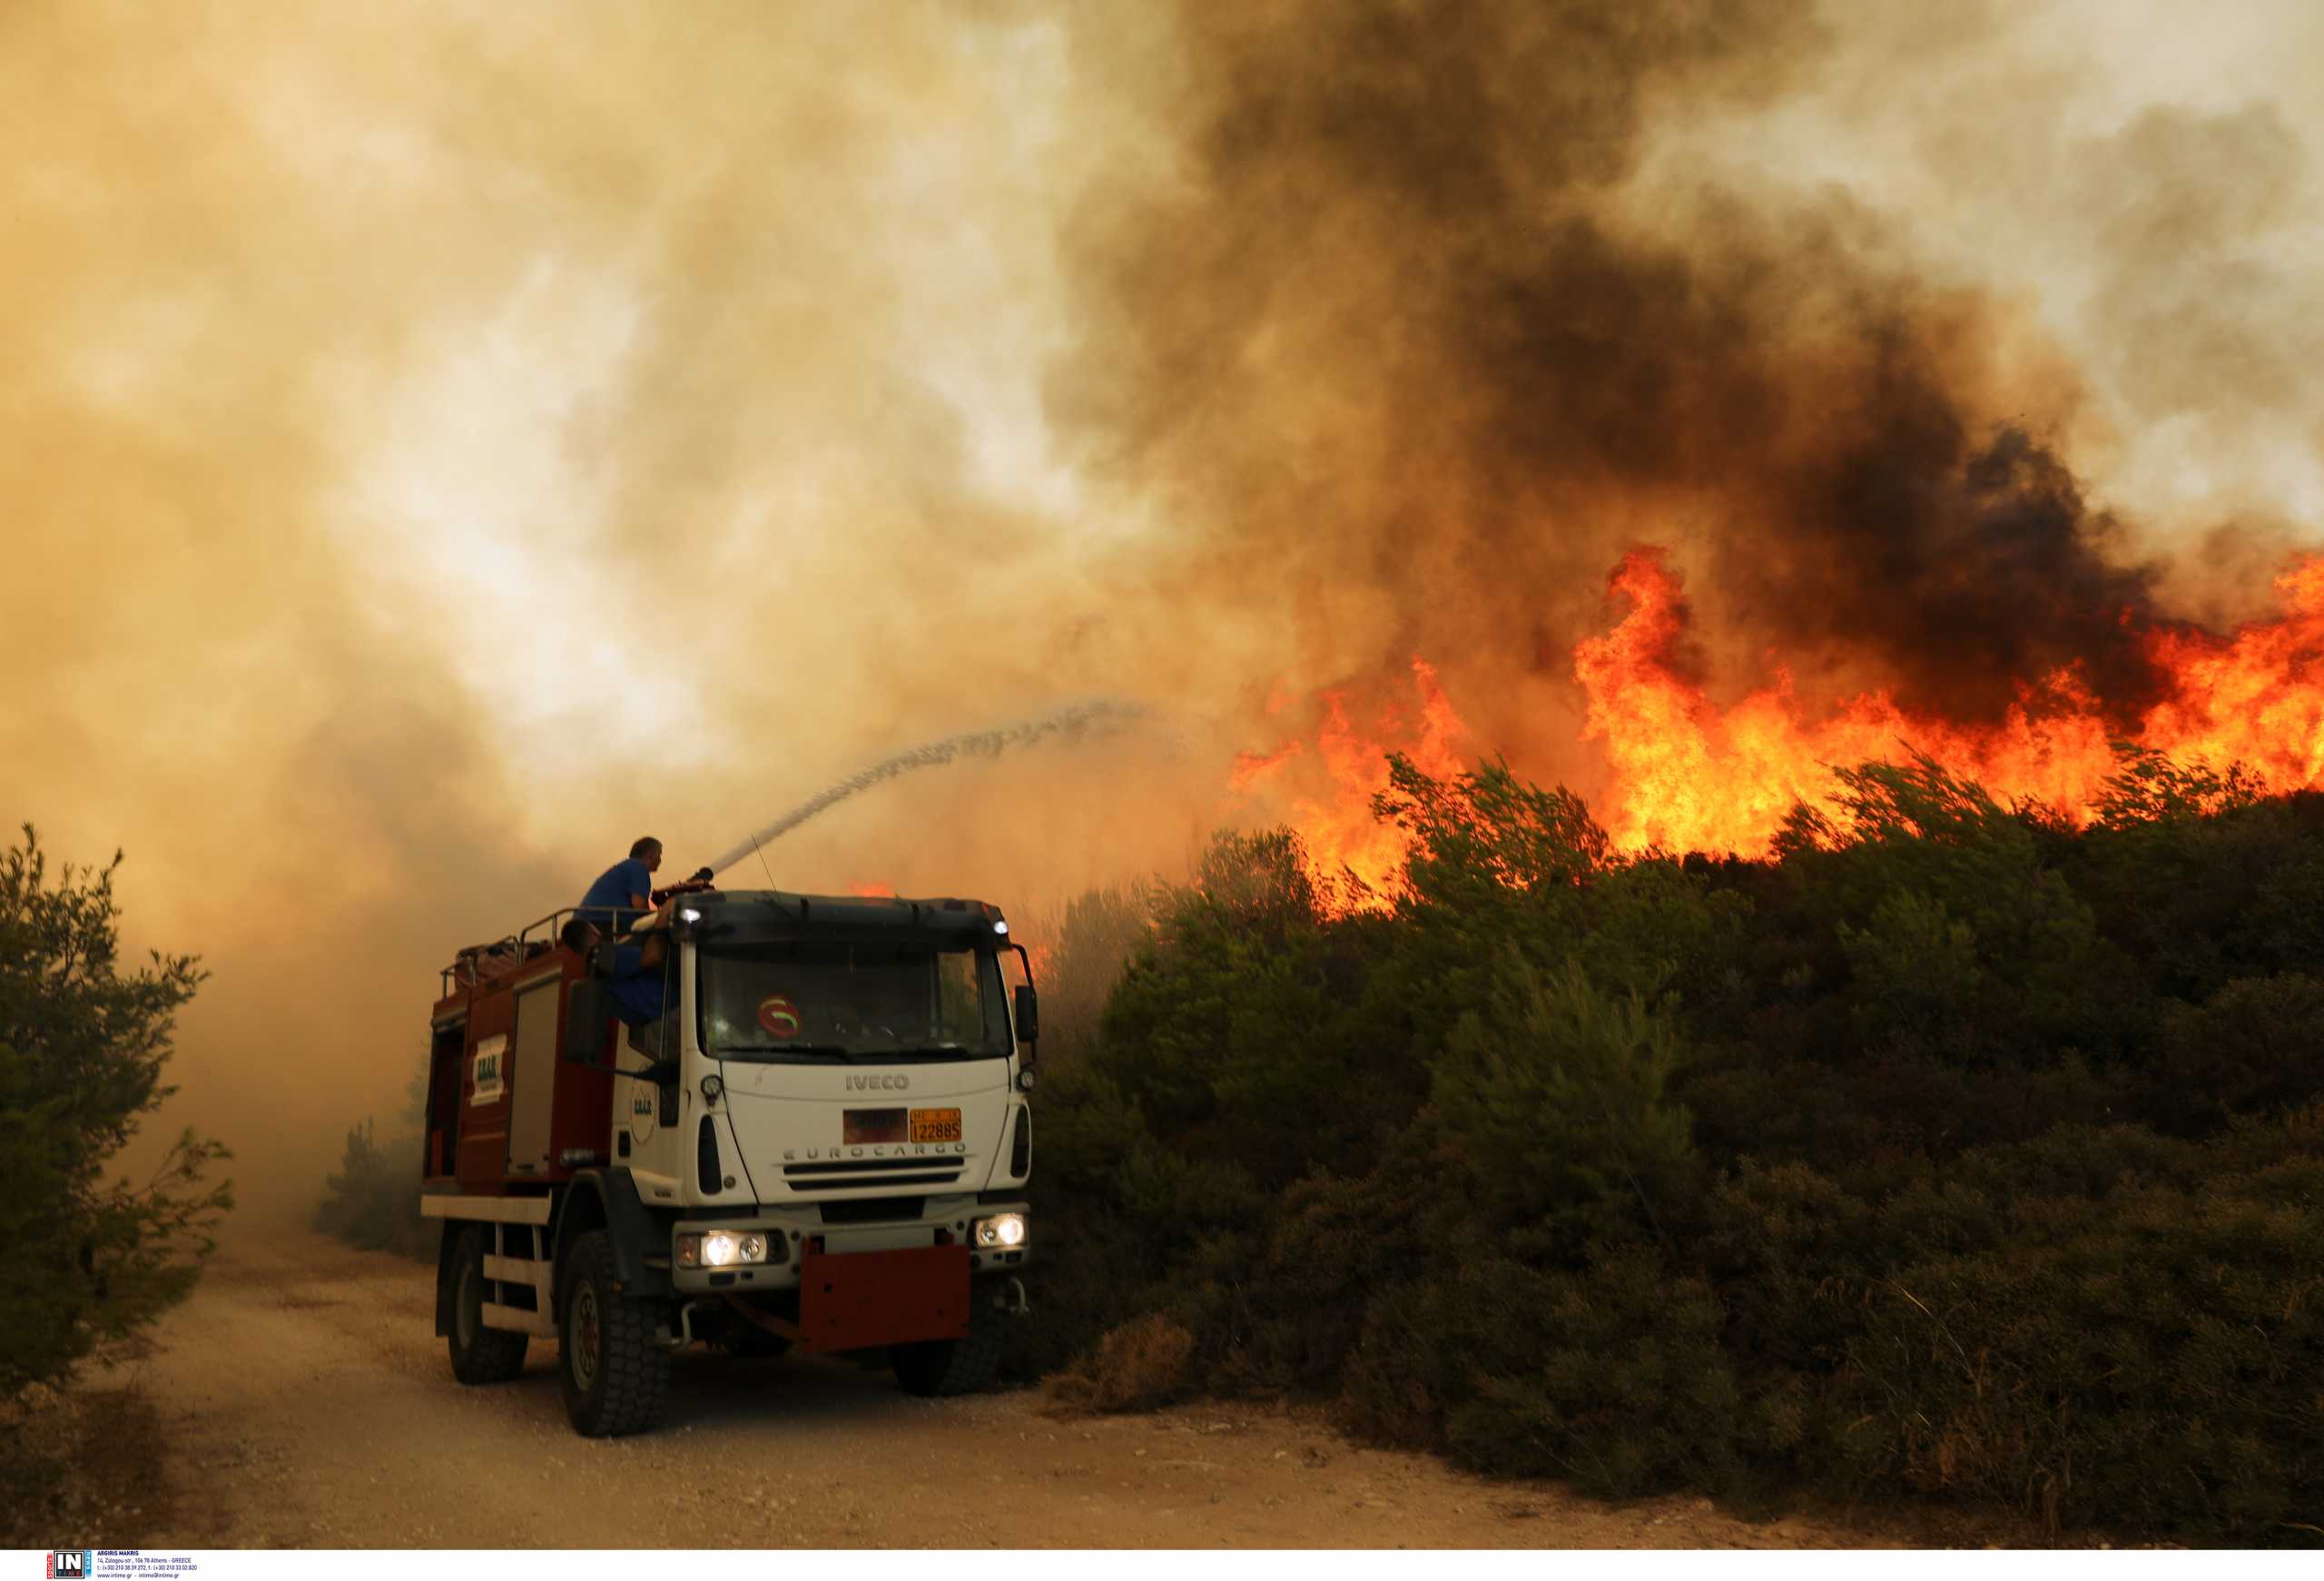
x=440, y=447
x=1401, y=324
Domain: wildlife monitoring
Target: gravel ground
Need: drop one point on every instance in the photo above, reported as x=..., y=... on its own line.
x=300, y=1399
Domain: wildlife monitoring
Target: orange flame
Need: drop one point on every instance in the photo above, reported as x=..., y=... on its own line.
x=1690, y=775
x=2254, y=697
x=1333, y=811
x=874, y=891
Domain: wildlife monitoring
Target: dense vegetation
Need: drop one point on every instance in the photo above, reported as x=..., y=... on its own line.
x=373, y=1198
x=83, y=1044
x=1952, y=1150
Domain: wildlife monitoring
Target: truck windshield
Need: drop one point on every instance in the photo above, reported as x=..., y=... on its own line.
x=813, y=1002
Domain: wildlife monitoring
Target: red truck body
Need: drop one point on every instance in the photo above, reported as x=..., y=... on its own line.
x=544, y=1117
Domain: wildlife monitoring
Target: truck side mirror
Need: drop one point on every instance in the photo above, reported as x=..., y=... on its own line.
x=1028, y=1013
x=588, y=1007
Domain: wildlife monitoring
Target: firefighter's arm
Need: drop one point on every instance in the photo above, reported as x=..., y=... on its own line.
x=653, y=936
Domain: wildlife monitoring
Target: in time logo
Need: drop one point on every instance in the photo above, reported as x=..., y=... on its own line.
x=74, y=1563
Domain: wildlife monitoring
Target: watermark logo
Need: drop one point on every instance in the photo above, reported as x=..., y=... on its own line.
x=71, y=1564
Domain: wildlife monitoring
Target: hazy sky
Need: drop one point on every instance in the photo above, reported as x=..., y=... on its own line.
x=440, y=445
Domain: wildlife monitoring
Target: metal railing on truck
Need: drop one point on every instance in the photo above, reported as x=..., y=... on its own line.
x=479, y=963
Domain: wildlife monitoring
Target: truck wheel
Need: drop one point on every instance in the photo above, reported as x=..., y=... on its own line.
x=945, y=1367
x=480, y=1355
x=615, y=1371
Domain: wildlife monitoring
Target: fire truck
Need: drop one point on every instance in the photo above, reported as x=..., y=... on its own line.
x=807, y=1128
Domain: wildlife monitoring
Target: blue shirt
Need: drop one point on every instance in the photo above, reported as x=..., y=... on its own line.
x=637, y=993
x=614, y=887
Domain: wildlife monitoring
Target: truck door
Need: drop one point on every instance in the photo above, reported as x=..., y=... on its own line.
x=447, y=1049
x=539, y=1006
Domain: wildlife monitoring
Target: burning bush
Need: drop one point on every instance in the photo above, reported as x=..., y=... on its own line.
x=1953, y=1147
x=1081, y=957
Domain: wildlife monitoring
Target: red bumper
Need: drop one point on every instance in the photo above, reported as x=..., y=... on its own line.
x=852, y=1301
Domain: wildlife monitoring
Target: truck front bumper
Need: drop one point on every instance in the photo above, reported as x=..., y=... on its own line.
x=804, y=1236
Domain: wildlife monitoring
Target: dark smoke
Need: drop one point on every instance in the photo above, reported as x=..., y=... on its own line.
x=1391, y=323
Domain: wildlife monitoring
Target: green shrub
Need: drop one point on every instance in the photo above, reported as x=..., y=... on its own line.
x=1249, y=998
x=83, y=1046
x=372, y=1201
x=2150, y=1356
x=1613, y=1376
x=1557, y=1094
x=2255, y=1048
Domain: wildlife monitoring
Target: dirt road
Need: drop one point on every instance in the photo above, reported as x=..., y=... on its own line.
x=302, y=1400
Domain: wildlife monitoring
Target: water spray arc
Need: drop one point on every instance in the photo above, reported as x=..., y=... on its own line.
x=1080, y=722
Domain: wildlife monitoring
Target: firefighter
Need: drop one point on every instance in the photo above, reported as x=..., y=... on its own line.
x=624, y=891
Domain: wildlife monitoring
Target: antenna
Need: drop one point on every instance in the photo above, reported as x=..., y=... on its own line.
x=762, y=866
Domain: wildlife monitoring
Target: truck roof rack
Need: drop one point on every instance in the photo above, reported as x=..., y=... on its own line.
x=480, y=962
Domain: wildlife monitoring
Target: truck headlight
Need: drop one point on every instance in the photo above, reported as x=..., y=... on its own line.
x=722, y=1249
x=1000, y=1231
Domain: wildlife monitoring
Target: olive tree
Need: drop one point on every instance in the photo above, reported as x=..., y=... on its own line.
x=83, y=1045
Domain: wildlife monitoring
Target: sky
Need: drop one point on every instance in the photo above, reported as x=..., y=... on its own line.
x=439, y=446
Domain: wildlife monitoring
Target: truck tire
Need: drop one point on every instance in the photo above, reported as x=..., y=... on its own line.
x=615, y=1370
x=963, y=1366
x=480, y=1355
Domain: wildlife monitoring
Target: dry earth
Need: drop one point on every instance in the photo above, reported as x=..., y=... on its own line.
x=301, y=1399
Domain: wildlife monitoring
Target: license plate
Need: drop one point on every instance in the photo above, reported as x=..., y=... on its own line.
x=867, y=1125
x=936, y=1125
